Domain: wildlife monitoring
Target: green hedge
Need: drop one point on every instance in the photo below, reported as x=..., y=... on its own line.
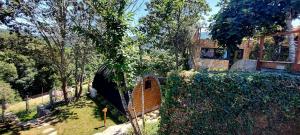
x=231, y=103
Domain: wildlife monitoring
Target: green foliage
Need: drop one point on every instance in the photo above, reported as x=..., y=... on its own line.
x=8, y=72
x=273, y=51
x=245, y=18
x=28, y=68
x=150, y=129
x=7, y=94
x=158, y=62
x=168, y=24
x=110, y=38
x=230, y=103
x=26, y=116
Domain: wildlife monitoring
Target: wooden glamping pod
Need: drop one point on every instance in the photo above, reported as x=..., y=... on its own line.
x=152, y=96
x=108, y=90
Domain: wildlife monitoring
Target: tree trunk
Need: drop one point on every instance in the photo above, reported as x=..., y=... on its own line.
x=121, y=89
x=142, y=85
x=127, y=112
x=177, y=56
x=63, y=64
x=78, y=62
x=230, y=57
x=81, y=79
x=143, y=103
x=176, y=52
x=64, y=89
x=185, y=56
x=176, y=39
x=51, y=97
x=76, y=88
x=89, y=84
x=3, y=110
x=27, y=104
x=76, y=77
x=291, y=37
x=80, y=86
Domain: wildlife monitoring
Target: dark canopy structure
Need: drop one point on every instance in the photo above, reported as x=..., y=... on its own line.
x=107, y=88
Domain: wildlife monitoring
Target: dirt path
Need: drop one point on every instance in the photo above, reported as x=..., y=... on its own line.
x=122, y=129
x=116, y=130
x=49, y=131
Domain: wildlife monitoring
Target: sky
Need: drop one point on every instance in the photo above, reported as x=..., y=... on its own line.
x=141, y=4
x=140, y=12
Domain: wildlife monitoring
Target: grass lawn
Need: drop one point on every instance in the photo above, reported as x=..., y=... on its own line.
x=80, y=118
x=33, y=103
x=20, y=107
x=150, y=129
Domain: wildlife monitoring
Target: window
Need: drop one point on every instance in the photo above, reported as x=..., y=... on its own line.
x=148, y=84
x=239, y=54
x=204, y=35
x=221, y=54
x=213, y=53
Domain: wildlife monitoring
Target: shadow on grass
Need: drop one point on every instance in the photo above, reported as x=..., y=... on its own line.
x=63, y=112
x=12, y=127
x=112, y=112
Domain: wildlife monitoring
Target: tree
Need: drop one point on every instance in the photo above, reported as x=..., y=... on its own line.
x=8, y=73
x=246, y=18
x=292, y=10
x=168, y=22
x=109, y=39
x=6, y=95
x=84, y=51
x=28, y=56
x=49, y=20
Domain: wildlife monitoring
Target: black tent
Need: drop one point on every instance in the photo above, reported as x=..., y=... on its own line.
x=107, y=88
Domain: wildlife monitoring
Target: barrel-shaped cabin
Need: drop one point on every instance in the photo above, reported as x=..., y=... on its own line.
x=108, y=90
x=152, y=96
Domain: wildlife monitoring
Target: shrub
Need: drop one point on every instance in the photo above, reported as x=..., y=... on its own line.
x=231, y=103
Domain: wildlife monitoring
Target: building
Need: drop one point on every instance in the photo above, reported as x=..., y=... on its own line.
x=208, y=55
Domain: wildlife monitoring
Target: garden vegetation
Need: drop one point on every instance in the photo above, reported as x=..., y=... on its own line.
x=231, y=103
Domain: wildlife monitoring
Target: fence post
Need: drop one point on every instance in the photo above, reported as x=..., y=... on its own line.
x=104, y=111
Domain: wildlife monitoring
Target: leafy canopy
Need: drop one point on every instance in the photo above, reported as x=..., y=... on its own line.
x=168, y=17
x=6, y=92
x=244, y=18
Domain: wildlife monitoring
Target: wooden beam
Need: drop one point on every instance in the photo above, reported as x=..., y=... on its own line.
x=286, y=33
x=298, y=50
x=295, y=66
x=261, y=51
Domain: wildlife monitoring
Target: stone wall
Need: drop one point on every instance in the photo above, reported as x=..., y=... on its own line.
x=214, y=64
x=198, y=63
x=244, y=65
